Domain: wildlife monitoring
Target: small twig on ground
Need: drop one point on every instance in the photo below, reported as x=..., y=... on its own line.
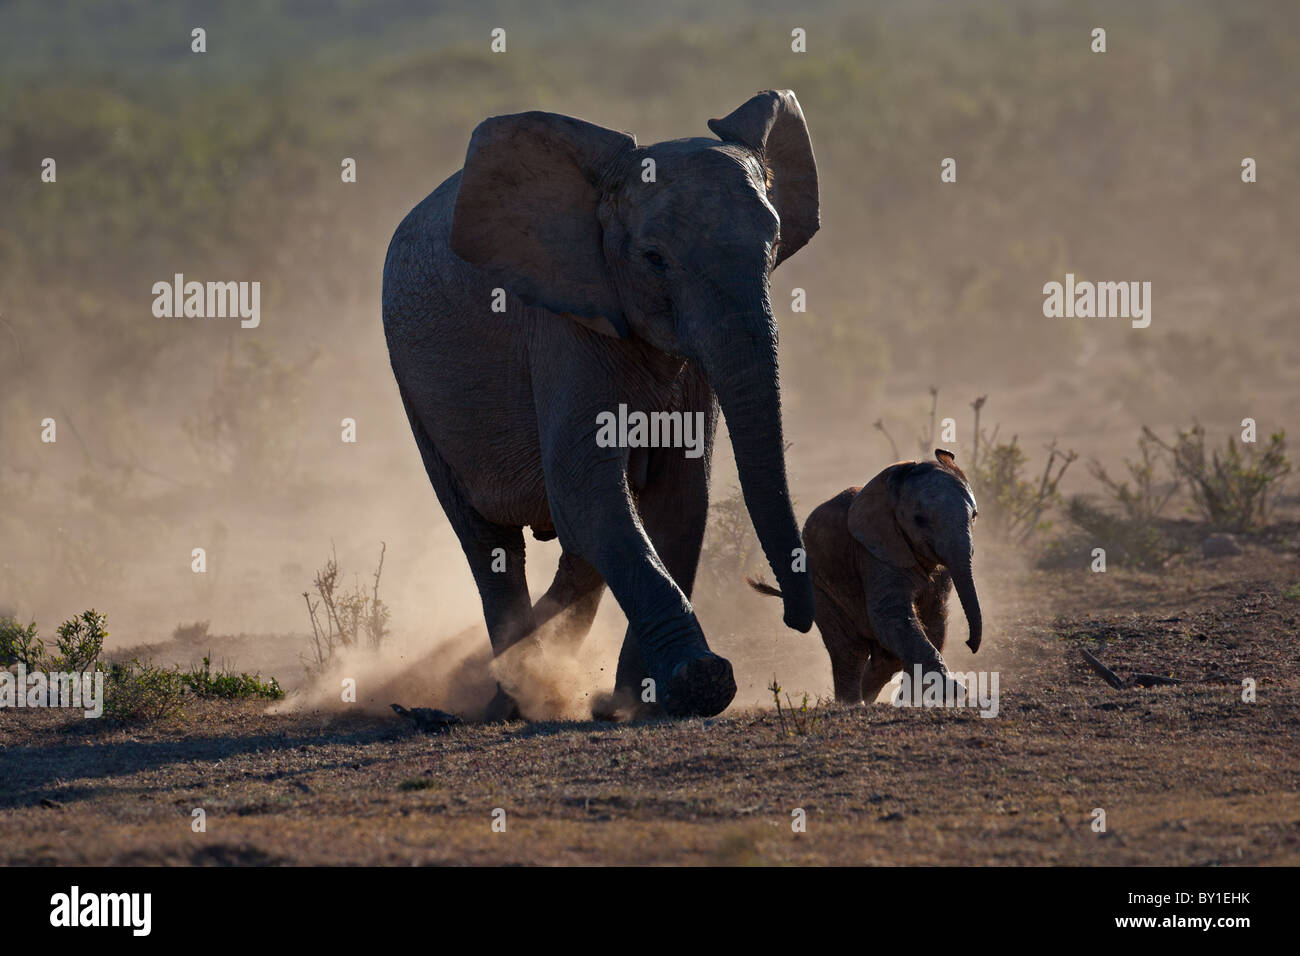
x=1137, y=680
x=1108, y=675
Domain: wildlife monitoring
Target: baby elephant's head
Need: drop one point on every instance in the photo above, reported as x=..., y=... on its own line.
x=919, y=514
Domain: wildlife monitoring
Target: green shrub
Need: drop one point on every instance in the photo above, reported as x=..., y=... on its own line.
x=1128, y=529
x=803, y=721
x=20, y=645
x=133, y=690
x=1147, y=497
x=227, y=685
x=1012, y=505
x=1128, y=541
x=141, y=691
x=80, y=642
x=1233, y=489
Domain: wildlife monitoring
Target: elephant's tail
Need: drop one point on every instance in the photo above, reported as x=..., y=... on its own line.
x=762, y=587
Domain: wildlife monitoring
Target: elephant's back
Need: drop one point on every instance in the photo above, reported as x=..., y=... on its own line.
x=832, y=558
x=434, y=298
x=827, y=529
x=438, y=306
x=420, y=270
x=462, y=367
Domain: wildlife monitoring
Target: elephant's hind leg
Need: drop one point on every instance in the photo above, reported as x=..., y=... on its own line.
x=880, y=670
x=496, y=560
x=844, y=644
x=564, y=614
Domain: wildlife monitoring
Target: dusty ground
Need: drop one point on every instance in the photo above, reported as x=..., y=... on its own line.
x=1187, y=775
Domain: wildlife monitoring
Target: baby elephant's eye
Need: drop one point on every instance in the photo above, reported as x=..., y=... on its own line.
x=656, y=260
x=920, y=521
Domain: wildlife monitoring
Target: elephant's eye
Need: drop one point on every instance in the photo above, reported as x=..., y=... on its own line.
x=920, y=520
x=655, y=260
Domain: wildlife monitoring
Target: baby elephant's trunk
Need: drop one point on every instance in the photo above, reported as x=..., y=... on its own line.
x=762, y=587
x=964, y=581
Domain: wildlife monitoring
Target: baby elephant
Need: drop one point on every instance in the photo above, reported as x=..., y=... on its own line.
x=883, y=560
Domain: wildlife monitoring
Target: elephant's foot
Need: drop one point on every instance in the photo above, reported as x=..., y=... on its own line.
x=955, y=691
x=501, y=709
x=951, y=690
x=700, y=687
x=624, y=705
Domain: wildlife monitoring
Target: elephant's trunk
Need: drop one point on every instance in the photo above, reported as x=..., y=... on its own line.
x=742, y=369
x=964, y=582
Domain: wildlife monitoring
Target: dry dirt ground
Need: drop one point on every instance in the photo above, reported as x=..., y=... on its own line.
x=1187, y=775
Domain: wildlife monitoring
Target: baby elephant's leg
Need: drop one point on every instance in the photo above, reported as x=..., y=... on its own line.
x=891, y=595
x=880, y=669
x=846, y=672
x=845, y=646
x=932, y=607
x=932, y=611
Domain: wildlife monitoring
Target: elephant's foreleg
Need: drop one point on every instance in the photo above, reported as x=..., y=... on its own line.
x=890, y=594
x=594, y=517
x=674, y=509
x=932, y=607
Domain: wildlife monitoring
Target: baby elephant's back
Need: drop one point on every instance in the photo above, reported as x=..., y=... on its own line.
x=832, y=552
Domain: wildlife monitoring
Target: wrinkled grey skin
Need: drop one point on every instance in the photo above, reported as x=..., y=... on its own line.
x=652, y=294
x=884, y=559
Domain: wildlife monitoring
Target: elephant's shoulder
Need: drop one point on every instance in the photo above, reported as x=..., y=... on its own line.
x=828, y=522
x=430, y=220
x=836, y=506
x=420, y=265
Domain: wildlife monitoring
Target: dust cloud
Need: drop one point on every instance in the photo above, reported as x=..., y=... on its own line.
x=182, y=434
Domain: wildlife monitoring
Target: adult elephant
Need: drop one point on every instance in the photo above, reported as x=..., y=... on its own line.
x=566, y=271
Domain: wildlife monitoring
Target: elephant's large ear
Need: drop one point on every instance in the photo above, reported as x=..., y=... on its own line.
x=871, y=517
x=772, y=125
x=526, y=212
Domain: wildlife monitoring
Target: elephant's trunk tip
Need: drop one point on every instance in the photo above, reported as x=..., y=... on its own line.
x=762, y=587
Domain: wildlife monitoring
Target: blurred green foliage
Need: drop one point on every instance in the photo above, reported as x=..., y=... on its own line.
x=227, y=163
x=225, y=166
x=1234, y=489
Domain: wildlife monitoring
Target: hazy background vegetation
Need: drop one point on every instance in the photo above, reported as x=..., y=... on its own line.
x=183, y=433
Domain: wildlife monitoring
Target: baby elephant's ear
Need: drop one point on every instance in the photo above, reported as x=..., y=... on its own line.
x=872, y=522
x=949, y=461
